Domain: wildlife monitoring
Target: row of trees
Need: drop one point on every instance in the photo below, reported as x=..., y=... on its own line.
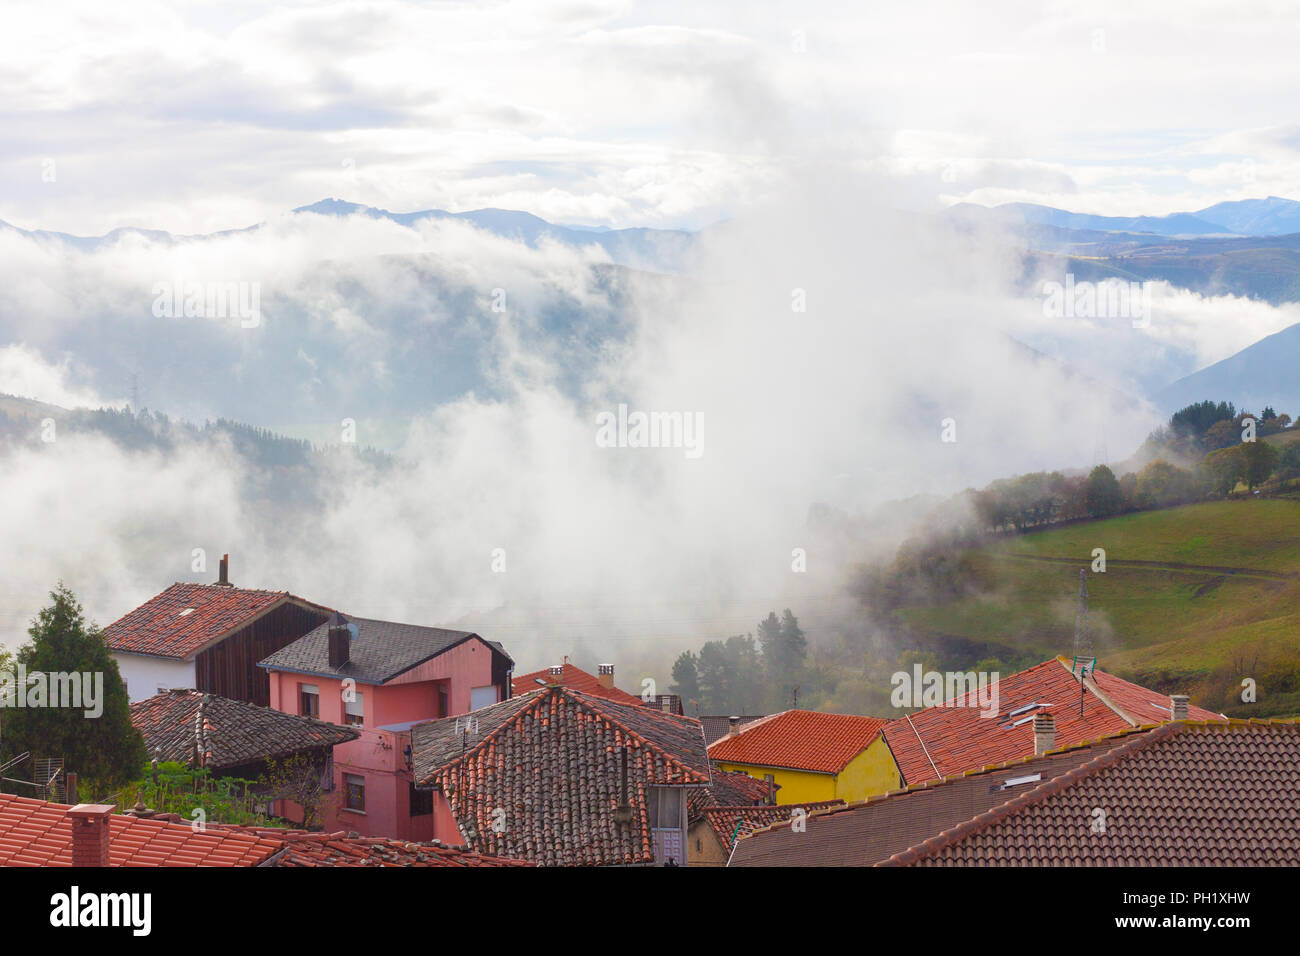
x=1207, y=434
x=744, y=675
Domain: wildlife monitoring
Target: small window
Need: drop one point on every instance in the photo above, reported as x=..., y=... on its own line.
x=421, y=802
x=187, y=611
x=665, y=808
x=309, y=700
x=354, y=711
x=354, y=792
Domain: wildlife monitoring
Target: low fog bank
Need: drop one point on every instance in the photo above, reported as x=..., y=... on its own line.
x=835, y=359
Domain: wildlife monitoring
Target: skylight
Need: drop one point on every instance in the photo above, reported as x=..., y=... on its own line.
x=188, y=610
x=1021, y=710
x=1019, y=781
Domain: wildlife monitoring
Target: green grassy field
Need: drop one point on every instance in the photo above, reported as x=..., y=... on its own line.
x=1217, y=596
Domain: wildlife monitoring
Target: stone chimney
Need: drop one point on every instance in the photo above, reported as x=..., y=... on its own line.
x=606, y=676
x=1044, y=733
x=1178, y=706
x=90, y=833
x=340, y=641
x=223, y=572
x=733, y=726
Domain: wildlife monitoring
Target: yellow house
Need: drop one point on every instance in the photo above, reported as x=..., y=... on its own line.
x=811, y=756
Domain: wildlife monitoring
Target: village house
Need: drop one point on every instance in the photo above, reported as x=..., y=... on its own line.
x=570, y=675
x=811, y=756
x=233, y=738
x=1159, y=795
x=209, y=637
x=598, y=685
x=380, y=677
x=942, y=740
x=564, y=778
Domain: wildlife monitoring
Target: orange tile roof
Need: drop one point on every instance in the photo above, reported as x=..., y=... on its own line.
x=799, y=740
x=942, y=741
x=37, y=833
x=160, y=627
x=575, y=678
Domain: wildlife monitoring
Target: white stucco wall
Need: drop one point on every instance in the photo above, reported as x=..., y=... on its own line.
x=144, y=675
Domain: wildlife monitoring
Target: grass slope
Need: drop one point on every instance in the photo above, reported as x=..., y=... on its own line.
x=1193, y=598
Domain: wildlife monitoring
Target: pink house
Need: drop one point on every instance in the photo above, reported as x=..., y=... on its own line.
x=381, y=677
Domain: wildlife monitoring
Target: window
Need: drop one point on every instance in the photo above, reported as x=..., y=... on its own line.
x=443, y=707
x=665, y=808
x=327, y=773
x=482, y=697
x=309, y=700
x=421, y=802
x=354, y=711
x=354, y=792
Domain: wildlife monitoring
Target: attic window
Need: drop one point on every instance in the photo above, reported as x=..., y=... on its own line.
x=1018, y=781
x=540, y=681
x=188, y=610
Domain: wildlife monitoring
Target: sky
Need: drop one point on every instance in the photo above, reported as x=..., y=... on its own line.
x=194, y=117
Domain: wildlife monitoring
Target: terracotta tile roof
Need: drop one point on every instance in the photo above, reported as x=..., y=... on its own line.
x=729, y=789
x=551, y=760
x=337, y=849
x=1214, y=793
x=379, y=651
x=36, y=833
x=203, y=730
x=733, y=823
x=869, y=831
x=941, y=741
x=718, y=726
x=574, y=677
x=161, y=626
x=799, y=740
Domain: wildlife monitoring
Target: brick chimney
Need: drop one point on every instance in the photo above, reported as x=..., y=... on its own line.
x=1178, y=706
x=733, y=726
x=557, y=672
x=223, y=572
x=340, y=641
x=90, y=833
x=1044, y=733
x=606, y=676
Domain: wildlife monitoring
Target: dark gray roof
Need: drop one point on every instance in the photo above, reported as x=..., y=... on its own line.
x=203, y=730
x=717, y=727
x=380, y=651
